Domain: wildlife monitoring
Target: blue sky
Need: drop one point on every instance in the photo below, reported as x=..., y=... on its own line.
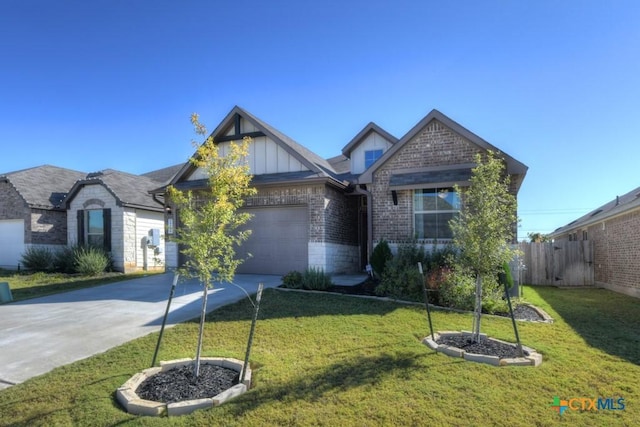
x=111, y=84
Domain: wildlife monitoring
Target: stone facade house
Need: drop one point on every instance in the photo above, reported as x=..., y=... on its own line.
x=329, y=214
x=614, y=230
x=32, y=212
x=115, y=210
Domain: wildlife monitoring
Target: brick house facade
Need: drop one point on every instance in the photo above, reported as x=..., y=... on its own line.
x=614, y=229
x=343, y=204
x=31, y=211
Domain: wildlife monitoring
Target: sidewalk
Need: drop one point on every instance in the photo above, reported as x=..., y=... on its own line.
x=40, y=334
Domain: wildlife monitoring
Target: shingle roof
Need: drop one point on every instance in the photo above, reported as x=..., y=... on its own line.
x=620, y=204
x=164, y=175
x=128, y=189
x=43, y=186
x=371, y=127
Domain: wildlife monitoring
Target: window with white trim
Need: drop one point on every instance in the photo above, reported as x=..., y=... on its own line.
x=433, y=208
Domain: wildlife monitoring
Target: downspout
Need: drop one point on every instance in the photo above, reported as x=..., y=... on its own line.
x=360, y=190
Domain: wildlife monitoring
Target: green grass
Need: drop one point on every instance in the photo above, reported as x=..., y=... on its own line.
x=342, y=361
x=25, y=285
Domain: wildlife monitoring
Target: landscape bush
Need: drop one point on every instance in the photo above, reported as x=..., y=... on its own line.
x=379, y=257
x=292, y=280
x=316, y=279
x=64, y=259
x=401, y=278
x=457, y=290
x=37, y=259
x=91, y=261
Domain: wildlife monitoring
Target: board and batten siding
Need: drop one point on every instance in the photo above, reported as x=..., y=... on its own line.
x=374, y=141
x=265, y=157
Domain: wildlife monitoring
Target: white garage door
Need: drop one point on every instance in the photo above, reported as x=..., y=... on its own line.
x=11, y=242
x=279, y=241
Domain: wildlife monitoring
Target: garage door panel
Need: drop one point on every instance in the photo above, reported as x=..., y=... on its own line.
x=11, y=242
x=278, y=242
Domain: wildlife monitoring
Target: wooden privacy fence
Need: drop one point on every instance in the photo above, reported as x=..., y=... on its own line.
x=559, y=263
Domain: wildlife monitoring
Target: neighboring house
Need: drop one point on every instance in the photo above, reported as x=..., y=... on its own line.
x=328, y=214
x=115, y=210
x=32, y=212
x=614, y=229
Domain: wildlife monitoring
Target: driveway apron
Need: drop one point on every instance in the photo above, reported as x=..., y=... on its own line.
x=40, y=334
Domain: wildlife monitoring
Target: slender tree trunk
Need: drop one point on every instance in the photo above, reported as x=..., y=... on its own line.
x=203, y=314
x=478, y=309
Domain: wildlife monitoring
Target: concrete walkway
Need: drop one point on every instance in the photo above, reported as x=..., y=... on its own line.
x=40, y=334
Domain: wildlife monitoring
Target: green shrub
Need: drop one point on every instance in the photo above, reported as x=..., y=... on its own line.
x=316, y=279
x=292, y=280
x=401, y=278
x=64, y=259
x=37, y=259
x=458, y=290
x=91, y=261
x=379, y=257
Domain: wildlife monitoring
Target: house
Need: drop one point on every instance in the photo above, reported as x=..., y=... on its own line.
x=329, y=214
x=115, y=210
x=49, y=206
x=32, y=212
x=614, y=230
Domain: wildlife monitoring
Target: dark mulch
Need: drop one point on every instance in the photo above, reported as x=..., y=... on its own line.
x=485, y=347
x=366, y=288
x=178, y=384
x=524, y=312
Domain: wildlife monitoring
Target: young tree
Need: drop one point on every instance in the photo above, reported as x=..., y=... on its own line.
x=210, y=221
x=486, y=225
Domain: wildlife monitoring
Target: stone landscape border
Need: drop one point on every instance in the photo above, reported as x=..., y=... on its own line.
x=127, y=397
x=531, y=358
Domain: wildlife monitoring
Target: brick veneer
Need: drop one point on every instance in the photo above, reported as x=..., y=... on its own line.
x=435, y=145
x=41, y=226
x=616, y=252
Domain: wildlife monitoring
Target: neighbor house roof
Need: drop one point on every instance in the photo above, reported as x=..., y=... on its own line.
x=164, y=175
x=319, y=167
x=129, y=190
x=514, y=167
x=617, y=206
x=43, y=187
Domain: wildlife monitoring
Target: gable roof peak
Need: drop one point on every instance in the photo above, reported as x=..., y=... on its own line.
x=360, y=136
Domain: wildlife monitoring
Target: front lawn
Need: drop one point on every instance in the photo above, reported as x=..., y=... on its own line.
x=26, y=285
x=334, y=360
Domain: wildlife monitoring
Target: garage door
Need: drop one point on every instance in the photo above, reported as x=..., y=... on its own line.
x=11, y=242
x=279, y=241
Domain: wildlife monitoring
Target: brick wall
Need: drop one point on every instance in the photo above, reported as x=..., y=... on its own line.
x=435, y=145
x=616, y=252
x=48, y=227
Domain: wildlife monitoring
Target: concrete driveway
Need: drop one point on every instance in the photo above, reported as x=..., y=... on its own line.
x=41, y=334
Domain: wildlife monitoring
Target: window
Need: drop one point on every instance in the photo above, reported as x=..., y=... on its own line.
x=370, y=156
x=94, y=228
x=94, y=231
x=433, y=209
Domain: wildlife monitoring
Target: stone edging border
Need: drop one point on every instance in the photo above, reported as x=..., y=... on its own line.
x=127, y=397
x=531, y=358
x=541, y=312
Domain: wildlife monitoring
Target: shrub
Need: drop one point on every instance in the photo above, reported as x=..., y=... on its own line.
x=292, y=280
x=379, y=257
x=316, y=279
x=458, y=290
x=64, y=260
x=401, y=278
x=91, y=261
x=37, y=259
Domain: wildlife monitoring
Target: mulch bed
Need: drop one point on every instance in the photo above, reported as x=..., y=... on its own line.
x=179, y=384
x=486, y=347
